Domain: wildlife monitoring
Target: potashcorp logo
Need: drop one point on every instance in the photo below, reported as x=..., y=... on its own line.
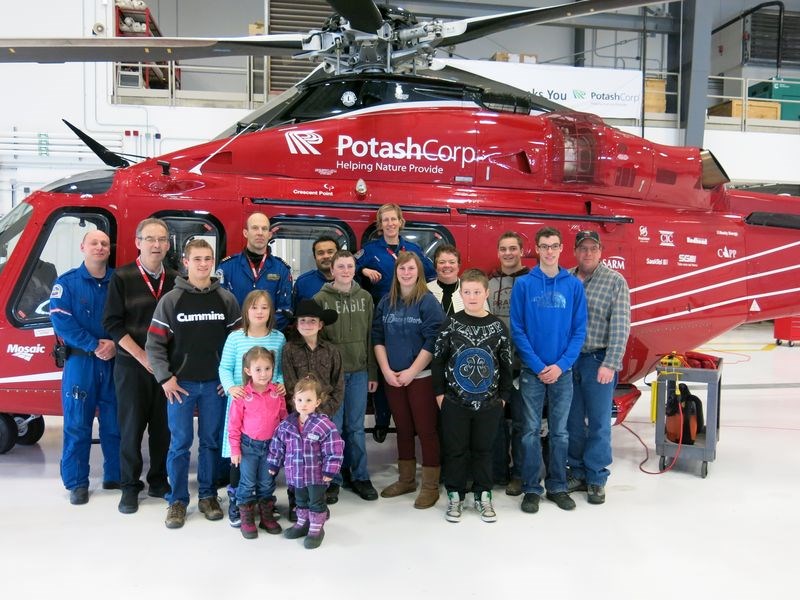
x=303, y=142
x=25, y=352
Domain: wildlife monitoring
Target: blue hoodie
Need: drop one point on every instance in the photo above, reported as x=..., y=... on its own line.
x=548, y=319
x=405, y=330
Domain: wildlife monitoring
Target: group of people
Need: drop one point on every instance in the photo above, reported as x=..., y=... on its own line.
x=460, y=362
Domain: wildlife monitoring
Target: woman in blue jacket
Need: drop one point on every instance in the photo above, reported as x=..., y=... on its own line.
x=404, y=331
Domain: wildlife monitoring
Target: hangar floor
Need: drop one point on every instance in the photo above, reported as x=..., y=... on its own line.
x=658, y=536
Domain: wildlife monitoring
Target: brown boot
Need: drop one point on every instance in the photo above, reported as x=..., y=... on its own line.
x=429, y=492
x=248, y=527
x=406, y=483
x=268, y=522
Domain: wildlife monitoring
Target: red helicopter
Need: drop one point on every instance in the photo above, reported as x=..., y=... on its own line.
x=466, y=158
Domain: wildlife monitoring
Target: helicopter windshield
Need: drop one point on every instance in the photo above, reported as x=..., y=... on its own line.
x=90, y=182
x=11, y=227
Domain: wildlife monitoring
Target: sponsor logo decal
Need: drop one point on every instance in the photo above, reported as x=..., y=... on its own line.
x=431, y=150
x=667, y=238
x=25, y=352
x=728, y=233
x=697, y=240
x=687, y=260
x=726, y=252
x=615, y=262
x=661, y=262
x=303, y=142
x=644, y=236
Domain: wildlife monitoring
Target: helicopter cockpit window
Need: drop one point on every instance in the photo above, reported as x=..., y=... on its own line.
x=184, y=228
x=56, y=252
x=293, y=239
x=92, y=182
x=11, y=227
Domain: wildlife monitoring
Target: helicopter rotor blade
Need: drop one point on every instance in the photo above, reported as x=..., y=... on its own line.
x=362, y=14
x=149, y=49
x=112, y=159
x=466, y=30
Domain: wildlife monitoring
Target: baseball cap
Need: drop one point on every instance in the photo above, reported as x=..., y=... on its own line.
x=586, y=235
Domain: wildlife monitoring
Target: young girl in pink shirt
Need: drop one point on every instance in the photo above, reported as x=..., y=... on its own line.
x=253, y=419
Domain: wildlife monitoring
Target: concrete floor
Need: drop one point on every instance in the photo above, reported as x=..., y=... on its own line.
x=658, y=536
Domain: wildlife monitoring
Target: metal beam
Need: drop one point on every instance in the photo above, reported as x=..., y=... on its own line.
x=459, y=10
x=695, y=68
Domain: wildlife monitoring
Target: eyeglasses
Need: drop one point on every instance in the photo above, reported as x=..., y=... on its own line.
x=546, y=247
x=152, y=240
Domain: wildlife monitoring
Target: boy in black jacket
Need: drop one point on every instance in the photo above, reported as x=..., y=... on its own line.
x=472, y=381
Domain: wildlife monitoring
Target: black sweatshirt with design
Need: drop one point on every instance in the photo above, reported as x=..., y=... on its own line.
x=188, y=331
x=472, y=361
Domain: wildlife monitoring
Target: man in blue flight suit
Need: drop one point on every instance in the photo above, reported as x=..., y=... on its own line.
x=257, y=268
x=311, y=282
x=87, y=386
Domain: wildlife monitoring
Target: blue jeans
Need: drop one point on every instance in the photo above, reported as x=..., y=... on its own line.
x=211, y=410
x=559, y=398
x=589, y=423
x=349, y=420
x=255, y=482
x=87, y=388
x=311, y=497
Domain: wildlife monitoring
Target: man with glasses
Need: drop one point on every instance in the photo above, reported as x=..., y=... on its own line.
x=594, y=375
x=133, y=293
x=548, y=326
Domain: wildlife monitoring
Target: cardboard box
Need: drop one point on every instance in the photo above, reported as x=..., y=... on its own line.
x=655, y=95
x=256, y=28
x=756, y=109
x=514, y=57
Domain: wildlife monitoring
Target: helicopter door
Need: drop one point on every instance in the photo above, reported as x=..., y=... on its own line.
x=55, y=252
x=188, y=226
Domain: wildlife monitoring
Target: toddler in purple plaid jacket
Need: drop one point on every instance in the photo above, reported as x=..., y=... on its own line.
x=309, y=446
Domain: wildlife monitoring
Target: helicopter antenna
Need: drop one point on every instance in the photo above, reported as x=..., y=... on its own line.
x=112, y=159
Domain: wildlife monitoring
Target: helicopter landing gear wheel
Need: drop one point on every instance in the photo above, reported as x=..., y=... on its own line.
x=30, y=429
x=662, y=463
x=791, y=344
x=8, y=433
x=778, y=342
x=704, y=470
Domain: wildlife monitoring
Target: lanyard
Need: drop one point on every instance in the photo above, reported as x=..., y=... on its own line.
x=392, y=252
x=256, y=272
x=156, y=294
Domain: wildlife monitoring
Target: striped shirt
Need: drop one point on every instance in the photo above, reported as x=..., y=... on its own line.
x=609, y=304
x=230, y=366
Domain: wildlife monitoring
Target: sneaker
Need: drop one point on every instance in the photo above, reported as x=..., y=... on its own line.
x=176, y=515
x=597, y=494
x=79, y=495
x=332, y=493
x=576, y=485
x=234, y=517
x=514, y=487
x=562, y=500
x=129, y=503
x=483, y=504
x=530, y=503
x=210, y=508
x=364, y=489
x=454, y=507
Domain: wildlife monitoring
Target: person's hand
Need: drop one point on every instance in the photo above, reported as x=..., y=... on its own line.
x=280, y=389
x=326, y=479
x=439, y=400
x=236, y=459
x=405, y=377
x=106, y=349
x=605, y=375
x=373, y=275
x=173, y=391
x=273, y=473
x=236, y=392
x=372, y=387
x=144, y=360
x=220, y=390
x=550, y=374
x=391, y=379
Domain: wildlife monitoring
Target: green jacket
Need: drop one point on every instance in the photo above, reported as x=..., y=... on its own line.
x=352, y=330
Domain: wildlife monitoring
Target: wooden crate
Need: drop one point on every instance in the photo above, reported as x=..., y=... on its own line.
x=256, y=28
x=514, y=57
x=655, y=96
x=756, y=109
